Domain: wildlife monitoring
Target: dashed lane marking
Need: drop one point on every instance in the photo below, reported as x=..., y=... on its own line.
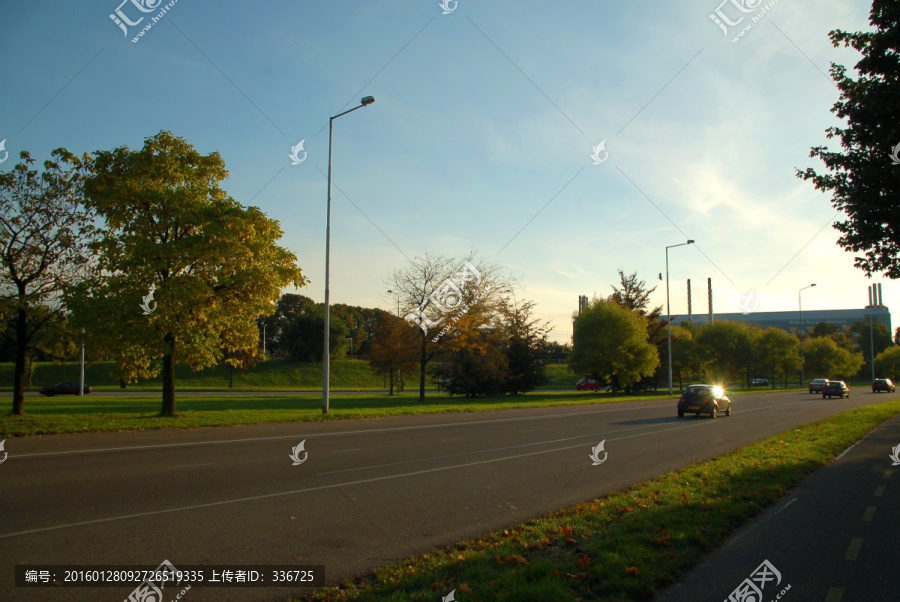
x=834, y=594
x=853, y=550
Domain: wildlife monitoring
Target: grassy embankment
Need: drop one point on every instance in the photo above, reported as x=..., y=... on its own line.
x=271, y=375
x=93, y=413
x=627, y=545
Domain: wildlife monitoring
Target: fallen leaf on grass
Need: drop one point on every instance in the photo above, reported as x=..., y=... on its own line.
x=632, y=570
x=584, y=562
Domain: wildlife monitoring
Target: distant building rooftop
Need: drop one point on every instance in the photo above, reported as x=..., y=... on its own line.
x=790, y=320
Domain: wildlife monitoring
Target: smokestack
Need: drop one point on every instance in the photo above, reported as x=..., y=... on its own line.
x=690, y=315
x=582, y=302
x=709, y=286
x=880, y=298
x=870, y=297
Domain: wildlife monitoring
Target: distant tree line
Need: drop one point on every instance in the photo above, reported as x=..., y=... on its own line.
x=621, y=341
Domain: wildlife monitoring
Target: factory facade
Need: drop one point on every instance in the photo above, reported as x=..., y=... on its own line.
x=792, y=321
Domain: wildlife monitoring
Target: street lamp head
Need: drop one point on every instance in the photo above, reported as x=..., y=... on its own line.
x=690, y=242
x=812, y=284
x=367, y=100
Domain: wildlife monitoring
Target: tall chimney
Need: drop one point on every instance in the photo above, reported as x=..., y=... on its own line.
x=709, y=286
x=690, y=315
x=880, y=298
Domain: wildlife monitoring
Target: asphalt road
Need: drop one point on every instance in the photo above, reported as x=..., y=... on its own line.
x=370, y=491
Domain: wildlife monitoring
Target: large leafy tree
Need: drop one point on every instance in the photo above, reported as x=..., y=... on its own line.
x=727, y=349
x=290, y=305
x=611, y=342
x=303, y=335
x=685, y=361
x=861, y=178
x=213, y=265
x=504, y=356
x=44, y=232
x=823, y=358
x=444, y=296
x=394, y=348
x=525, y=347
x=887, y=363
x=475, y=363
x=632, y=293
x=778, y=353
x=877, y=338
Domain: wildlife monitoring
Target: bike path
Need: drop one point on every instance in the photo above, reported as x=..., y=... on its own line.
x=834, y=538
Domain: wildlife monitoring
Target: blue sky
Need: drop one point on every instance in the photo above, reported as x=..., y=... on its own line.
x=484, y=121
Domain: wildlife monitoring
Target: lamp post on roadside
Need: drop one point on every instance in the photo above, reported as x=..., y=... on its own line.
x=800, y=327
x=81, y=387
x=668, y=310
x=390, y=292
x=365, y=101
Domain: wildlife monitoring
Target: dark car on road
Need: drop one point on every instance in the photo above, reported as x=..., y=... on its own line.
x=835, y=388
x=759, y=382
x=883, y=384
x=817, y=385
x=590, y=384
x=704, y=399
x=63, y=388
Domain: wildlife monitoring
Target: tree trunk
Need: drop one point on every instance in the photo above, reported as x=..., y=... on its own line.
x=230, y=377
x=422, y=361
x=19, y=373
x=122, y=383
x=29, y=370
x=392, y=382
x=168, y=400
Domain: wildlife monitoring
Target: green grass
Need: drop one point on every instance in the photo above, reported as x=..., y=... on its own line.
x=630, y=544
x=91, y=413
x=272, y=375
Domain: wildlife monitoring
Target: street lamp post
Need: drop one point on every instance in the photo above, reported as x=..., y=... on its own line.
x=390, y=292
x=669, y=311
x=800, y=327
x=81, y=387
x=365, y=101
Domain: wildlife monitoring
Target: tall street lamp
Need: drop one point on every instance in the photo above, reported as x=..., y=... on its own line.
x=668, y=311
x=390, y=292
x=81, y=383
x=365, y=101
x=800, y=327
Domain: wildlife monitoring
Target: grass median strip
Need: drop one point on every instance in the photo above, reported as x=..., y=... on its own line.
x=93, y=413
x=630, y=544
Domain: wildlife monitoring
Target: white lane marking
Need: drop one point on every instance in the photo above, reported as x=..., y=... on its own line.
x=309, y=489
x=191, y=465
x=507, y=448
x=336, y=434
x=631, y=408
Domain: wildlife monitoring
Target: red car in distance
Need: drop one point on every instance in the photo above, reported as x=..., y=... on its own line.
x=63, y=388
x=588, y=384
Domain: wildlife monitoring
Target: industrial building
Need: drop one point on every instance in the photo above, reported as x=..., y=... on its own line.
x=791, y=320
